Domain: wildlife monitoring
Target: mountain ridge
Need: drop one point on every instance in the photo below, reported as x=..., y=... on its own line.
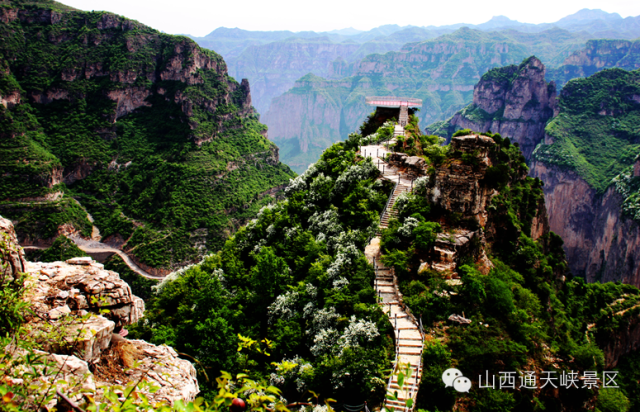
x=144, y=132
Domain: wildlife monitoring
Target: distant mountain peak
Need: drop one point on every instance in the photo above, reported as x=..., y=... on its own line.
x=589, y=14
x=501, y=19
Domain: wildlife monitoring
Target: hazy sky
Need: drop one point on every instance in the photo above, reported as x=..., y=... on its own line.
x=200, y=17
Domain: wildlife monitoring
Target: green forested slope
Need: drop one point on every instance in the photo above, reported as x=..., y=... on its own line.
x=146, y=130
x=597, y=132
x=306, y=292
x=296, y=282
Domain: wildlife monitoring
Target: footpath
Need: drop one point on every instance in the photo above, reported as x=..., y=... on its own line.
x=409, y=337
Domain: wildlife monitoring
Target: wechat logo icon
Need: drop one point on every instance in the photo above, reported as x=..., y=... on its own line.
x=453, y=377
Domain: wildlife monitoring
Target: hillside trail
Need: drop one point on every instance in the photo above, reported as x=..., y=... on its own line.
x=408, y=335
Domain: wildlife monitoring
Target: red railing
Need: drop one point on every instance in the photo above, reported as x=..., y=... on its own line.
x=393, y=101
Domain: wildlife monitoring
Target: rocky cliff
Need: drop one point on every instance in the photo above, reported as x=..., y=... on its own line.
x=587, y=163
x=576, y=144
x=602, y=244
x=77, y=319
x=146, y=131
x=597, y=55
x=514, y=101
x=13, y=261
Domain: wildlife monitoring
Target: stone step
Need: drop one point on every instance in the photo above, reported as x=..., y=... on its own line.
x=409, y=345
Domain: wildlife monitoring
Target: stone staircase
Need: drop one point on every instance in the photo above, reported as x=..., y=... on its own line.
x=398, y=131
x=408, y=336
x=389, y=211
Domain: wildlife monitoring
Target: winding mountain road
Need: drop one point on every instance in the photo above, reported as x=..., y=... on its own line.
x=91, y=246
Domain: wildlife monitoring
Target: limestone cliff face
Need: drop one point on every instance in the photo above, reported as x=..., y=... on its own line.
x=89, y=356
x=308, y=119
x=12, y=261
x=461, y=188
x=601, y=244
x=597, y=55
x=514, y=101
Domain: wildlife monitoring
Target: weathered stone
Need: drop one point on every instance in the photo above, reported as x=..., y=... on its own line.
x=461, y=320
x=58, y=312
x=80, y=261
x=85, y=286
x=457, y=187
x=161, y=366
x=600, y=242
x=12, y=259
x=415, y=161
x=91, y=336
x=527, y=102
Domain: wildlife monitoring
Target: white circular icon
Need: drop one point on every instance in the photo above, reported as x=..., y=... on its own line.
x=449, y=376
x=462, y=384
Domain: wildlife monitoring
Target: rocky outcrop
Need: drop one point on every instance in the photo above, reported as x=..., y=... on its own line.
x=457, y=187
x=600, y=243
x=76, y=308
x=514, y=101
x=12, y=261
x=129, y=99
x=83, y=284
x=11, y=99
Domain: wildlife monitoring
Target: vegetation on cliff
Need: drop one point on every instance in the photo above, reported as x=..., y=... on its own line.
x=526, y=311
x=146, y=130
x=292, y=287
x=299, y=296
x=596, y=132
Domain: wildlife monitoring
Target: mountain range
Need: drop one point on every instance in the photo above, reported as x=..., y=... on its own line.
x=274, y=62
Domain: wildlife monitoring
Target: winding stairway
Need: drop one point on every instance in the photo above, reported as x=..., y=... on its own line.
x=408, y=335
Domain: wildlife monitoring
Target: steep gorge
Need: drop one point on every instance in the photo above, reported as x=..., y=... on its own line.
x=582, y=144
x=145, y=131
x=589, y=161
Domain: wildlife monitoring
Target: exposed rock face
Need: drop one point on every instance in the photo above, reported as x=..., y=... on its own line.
x=457, y=187
x=514, y=101
x=12, y=259
x=65, y=297
x=129, y=99
x=597, y=55
x=175, y=377
x=83, y=284
x=600, y=243
x=312, y=121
